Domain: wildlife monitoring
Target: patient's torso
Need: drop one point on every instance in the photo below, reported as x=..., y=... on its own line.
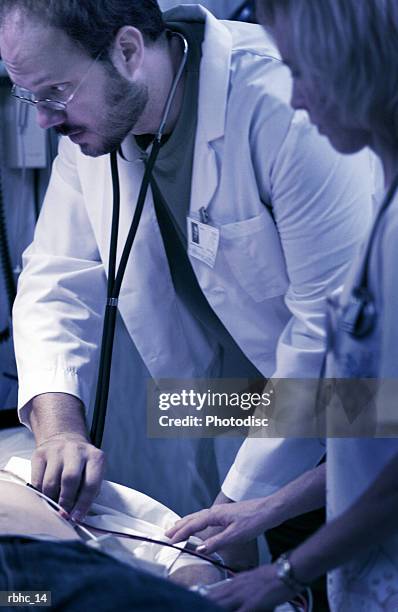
x=23, y=512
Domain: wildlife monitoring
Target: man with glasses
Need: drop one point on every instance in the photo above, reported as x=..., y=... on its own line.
x=235, y=159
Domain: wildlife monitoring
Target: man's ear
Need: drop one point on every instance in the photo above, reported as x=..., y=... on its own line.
x=128, y=51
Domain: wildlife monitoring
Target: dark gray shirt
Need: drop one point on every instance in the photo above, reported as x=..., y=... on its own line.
x=171, y=188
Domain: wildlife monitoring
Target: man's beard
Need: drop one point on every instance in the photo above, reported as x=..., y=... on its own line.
x=124, y=104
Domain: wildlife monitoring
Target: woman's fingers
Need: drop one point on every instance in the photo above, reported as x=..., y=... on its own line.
x=193, y=523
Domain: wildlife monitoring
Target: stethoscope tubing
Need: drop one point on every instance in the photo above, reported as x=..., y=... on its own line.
x=114, y=286
x=115, y=277
x=363, y=280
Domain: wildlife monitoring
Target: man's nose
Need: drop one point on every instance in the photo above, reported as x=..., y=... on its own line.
x=49, y=118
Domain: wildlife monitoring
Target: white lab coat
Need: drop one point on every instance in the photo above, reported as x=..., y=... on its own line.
x=369, y=581
x=273, y=269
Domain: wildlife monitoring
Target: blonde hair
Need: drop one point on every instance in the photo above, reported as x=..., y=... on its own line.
x=349, y=50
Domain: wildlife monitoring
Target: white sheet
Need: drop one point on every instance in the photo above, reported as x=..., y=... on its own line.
x=125, y=510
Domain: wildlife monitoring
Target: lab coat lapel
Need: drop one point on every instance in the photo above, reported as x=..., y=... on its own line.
x=213, y=91
x=157, y=323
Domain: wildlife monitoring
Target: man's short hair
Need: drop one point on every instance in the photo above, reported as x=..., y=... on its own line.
x=92, y=23
x=351, y=48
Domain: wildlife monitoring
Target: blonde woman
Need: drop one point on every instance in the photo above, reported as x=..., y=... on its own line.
x=343, y=56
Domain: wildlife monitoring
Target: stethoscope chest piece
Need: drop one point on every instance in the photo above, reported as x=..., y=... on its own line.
x=359, y=314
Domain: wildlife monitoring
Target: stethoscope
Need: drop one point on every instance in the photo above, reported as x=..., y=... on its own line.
x=115, y=277
x=359, y=315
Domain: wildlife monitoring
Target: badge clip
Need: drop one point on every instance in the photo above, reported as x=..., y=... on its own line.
x=204, y=215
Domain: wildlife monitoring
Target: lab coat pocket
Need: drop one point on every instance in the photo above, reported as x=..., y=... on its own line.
x=253, y=251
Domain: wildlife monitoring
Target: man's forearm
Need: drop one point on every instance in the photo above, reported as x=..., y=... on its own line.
x=222, y=499
x=65, y=465
x=56, y=413
x=306, y=493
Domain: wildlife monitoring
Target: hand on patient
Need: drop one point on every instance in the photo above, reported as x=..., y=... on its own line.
x=237, y=523
x=65, y=465
x=69, y=469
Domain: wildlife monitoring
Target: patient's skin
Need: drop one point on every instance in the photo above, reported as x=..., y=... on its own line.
x=196, y=574
x=23, y=512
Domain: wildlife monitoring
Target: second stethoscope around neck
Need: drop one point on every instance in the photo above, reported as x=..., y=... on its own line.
x=359, y=314
x=115, y=277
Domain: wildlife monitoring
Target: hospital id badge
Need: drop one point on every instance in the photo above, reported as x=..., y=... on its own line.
x=203, y=241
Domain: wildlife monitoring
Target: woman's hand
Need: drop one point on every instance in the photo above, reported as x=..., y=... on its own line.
x=258, y=590
x=237, y=523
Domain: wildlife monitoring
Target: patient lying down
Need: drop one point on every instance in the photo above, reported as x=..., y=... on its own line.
x=41, y=550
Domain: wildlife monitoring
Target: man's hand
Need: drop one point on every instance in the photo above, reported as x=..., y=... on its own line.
x=65, y=465
x=259, y=590
x=237, y=523
x=69, y=469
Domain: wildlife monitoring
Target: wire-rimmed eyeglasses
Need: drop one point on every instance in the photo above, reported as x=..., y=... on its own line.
x=28, y=97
